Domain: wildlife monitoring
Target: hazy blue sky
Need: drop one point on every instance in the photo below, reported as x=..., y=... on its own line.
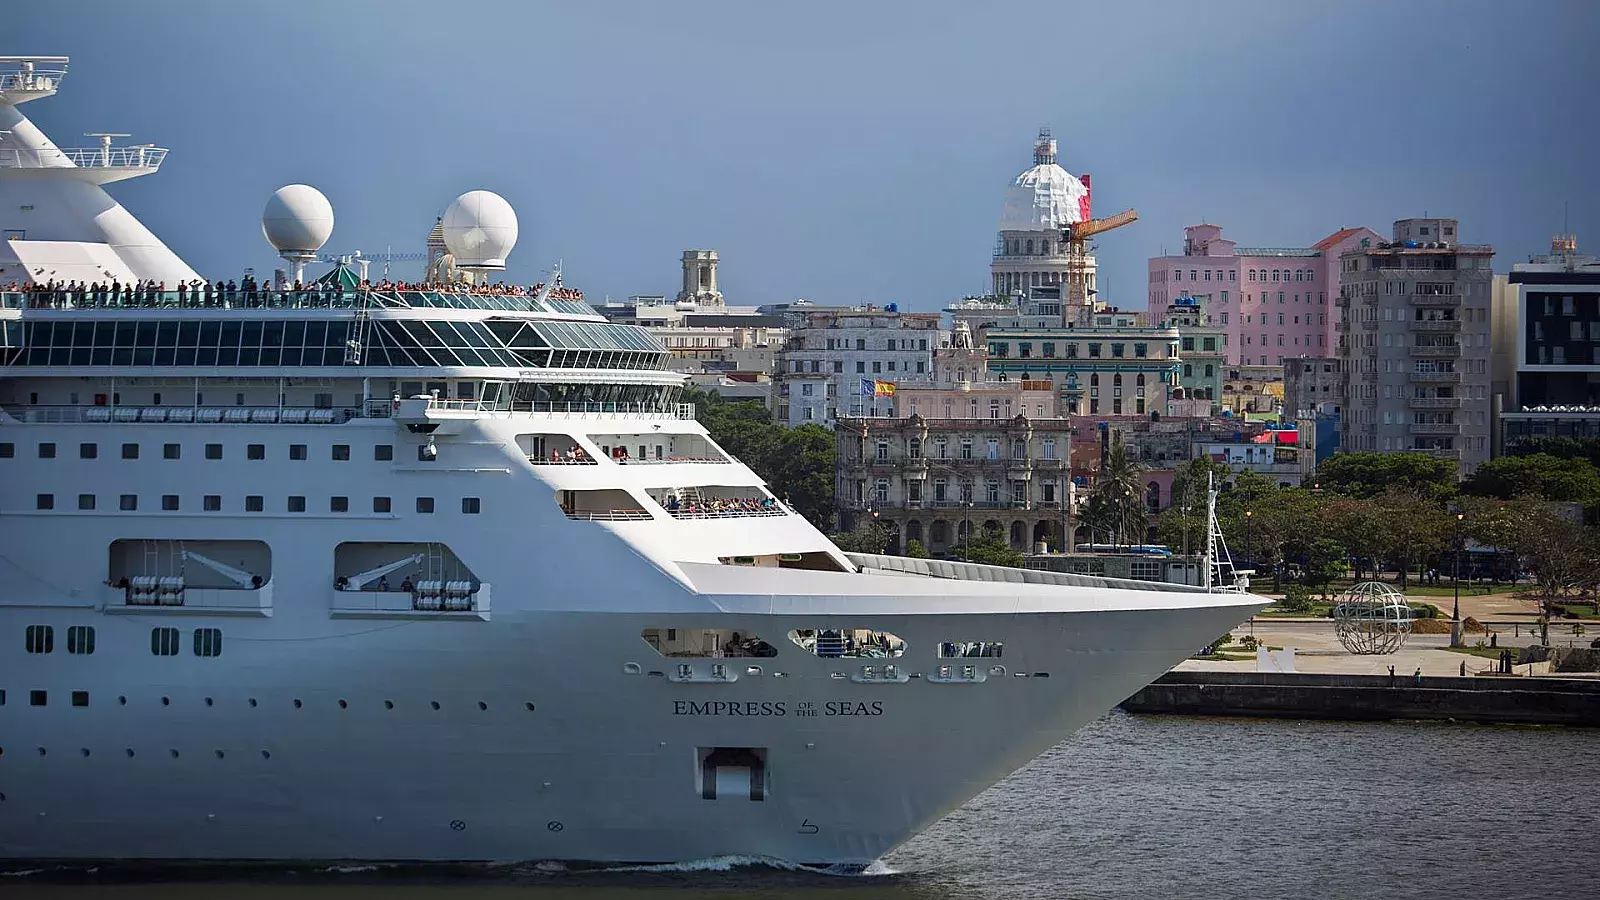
x=837, y=151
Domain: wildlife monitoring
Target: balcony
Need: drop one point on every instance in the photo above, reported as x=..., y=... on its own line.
x=1435, y=299
x=1435, y=452
x=1434, y=402
x=1434, y=377
x=1437, y=351
x=1437, y=428
x=1449, y=326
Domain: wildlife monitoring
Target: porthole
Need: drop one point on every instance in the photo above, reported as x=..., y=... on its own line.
x=166, y=701
x=343, y=705
x=266, y=754
x=84, y=751
x=528, y=706
x=41, y=751
x=388, y=704
x=435, y=704
x=129, y=751
x=208, y=701
x=252, y=703
x=122, y=700
x=219, y=754
x=298, y=704
x=483, y=706
x=174, y=753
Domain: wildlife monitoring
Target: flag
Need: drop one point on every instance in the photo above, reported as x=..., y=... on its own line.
x=883, y=389
x=868, y=387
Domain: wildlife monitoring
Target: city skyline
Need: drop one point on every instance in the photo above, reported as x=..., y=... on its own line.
x=840, y=157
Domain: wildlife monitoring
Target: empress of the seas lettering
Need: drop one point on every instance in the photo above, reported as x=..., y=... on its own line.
x=754, y=708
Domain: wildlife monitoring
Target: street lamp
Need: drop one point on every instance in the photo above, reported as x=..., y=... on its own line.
x=1455, y=614
x=1249, y=550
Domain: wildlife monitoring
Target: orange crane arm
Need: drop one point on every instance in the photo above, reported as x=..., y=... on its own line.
x=1090, y=227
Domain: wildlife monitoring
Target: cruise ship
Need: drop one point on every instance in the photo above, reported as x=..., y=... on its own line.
x=365, y=571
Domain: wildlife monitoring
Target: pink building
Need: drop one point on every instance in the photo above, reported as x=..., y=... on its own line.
x=1270, y=303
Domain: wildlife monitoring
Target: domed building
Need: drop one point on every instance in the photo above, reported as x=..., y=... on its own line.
x=1030, y=261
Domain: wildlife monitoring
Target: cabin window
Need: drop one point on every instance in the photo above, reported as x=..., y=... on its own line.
x=129, y=503
x=213, y=451
x=86, y=501
x=80, y=699
x=297, y=451
x=88, y=451
x=471, y=505
x=171, y=451
x=254, y=503
x=380, y=504
x=383, y=452
x=424, y=505
x=47, y=451
x=38, y=698
x=338, y=504
x=706, y=642
x=40, y=638
x=212, y=503
x=208, y=642
x=297, y=504
x=970, y=649
x=44, y=501
x=80, y=639
x=847, y=642
x=8, y=450
x=341, y=451
x=164, y=641
x=130, y=451
x=169, y=502
x=255, y=451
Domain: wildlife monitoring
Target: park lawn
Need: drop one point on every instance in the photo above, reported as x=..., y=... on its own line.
x=1485, y=652
x=1225, y=657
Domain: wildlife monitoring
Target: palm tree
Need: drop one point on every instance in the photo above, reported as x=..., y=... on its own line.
x=1120, y=489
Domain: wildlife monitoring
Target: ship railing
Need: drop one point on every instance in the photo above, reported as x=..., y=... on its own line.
x=547, y=461
x=703, y=460
x=309, y=297
x=678, y=411
x=728, y=513
x=182, y=415
x=31, y=80
x=83, y=157
x=609, y=515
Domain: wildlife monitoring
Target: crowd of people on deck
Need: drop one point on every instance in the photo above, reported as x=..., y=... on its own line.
x=248, y=292
x=723, y=506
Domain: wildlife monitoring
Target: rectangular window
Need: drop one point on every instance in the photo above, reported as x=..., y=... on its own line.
x=164, y=641
x=297, y=504
x=171, y=451
x=213, y=451
x=254, y=503
x=88, y=451
x=380, y=504
x=130, y=451
x=297, y=451
x=383, y=452
x=129, y=503
x=47, y=451
x=8, y=450
x=44, y=501
x=80, y=639
x=86, y=501
x=208, y=642
x=255, y=451
x=80, y=698
x=39, y=639
x=424, y=504
x=341, y=451
x=169, y=502
x=212, y=503
x=338, y=504
x=38, y=698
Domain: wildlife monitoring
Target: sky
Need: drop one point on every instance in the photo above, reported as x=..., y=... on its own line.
x=844, y=152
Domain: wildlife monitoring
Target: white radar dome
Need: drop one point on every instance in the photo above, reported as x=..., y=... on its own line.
x=480, y=228
x=298, y=219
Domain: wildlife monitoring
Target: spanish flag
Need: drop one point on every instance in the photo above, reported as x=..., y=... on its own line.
x=883, y=389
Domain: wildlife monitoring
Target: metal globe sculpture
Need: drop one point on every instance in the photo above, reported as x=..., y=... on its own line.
x=1371, y=618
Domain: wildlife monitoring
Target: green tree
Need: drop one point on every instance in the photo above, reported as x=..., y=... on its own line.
x=1324, y=562
x=1541, y=476
x=801, y=470
x=1369, y=473
x=989, y=547
x=1183, y=524
x=1414, y=527
x=1355, y=525
x=1563, y=447
x=868, y=537
x=1120, y=488
x=915, y=550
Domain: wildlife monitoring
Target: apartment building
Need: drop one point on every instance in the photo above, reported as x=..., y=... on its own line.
x=1413, y=338
x=830, y=352
x=1554, y=317
x=1100, y=370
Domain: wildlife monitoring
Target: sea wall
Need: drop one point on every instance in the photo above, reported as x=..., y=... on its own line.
x=1541, y=701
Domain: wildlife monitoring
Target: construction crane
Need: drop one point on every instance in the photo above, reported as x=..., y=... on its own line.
x=1076, y=237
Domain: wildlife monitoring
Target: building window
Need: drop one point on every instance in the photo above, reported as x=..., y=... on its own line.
x=297, y=504
x=255, y=451
x=164, y=641
x=380, y=504
x=130, y=451
x=338, y=504
x=297, y=451
x=171, y=451
x=129, y=503
x=208, y=642
x=86, y=501
x=80, y=639
x=341, y=452
x=212, y=503
x=169, y=502
x=383, y=452
x=39, y=639
x=88, y=451
x=8, y=450
x=424, y=504
x=254, y=503
x=471, y=506
x=213, y=451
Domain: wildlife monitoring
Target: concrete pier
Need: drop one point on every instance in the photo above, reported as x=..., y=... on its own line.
x=1488, y=700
